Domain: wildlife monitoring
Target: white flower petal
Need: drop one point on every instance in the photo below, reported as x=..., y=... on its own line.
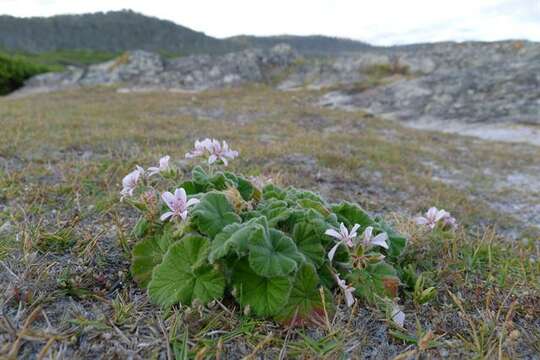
x=349, y=297
x=332, y=252
x=168, y=198
x=380, y=240
x=353, y=230
x=333, y=233
x=343, y=230
x=180, y=194
x=191, y=202
x=166, y=215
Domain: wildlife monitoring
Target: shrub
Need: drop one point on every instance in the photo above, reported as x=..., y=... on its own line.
x=14, y=71
x=279, y=251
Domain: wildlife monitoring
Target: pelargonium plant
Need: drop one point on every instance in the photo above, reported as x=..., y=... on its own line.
x=279, y=252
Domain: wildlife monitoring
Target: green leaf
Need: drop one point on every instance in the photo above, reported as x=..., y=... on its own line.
x=350, y=214
x=233, y=237
x=305, y=305
x=307, y=235
x=376, y=280
x=141, y=228
x=271, y=191
x=193, y=188
x=300, y=195
x=245, y=188
x=199, y=176
x=275, y=211
x=185, y=275
x=213, y=213
x=315, y=205
x=265, y=296
x=146, y=255
x=272, y=253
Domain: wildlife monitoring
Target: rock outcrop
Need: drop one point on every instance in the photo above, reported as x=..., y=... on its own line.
x=146, y=70
x=470, y=83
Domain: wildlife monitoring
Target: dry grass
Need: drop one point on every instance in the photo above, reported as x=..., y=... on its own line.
x=67, y=291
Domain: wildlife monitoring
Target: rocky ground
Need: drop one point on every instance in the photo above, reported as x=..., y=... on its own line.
x=65, y=237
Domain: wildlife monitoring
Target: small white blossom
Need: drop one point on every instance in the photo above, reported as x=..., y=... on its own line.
x=432, y=217
x=348, y=291
x=130, y=182
x=200, y=148
x=163, y=166
x=178, y=204
x=221, y=151
x=369, y=240
x=344, y=237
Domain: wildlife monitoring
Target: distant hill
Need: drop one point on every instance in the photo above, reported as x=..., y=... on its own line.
x=117, y=31
x=110, y=32
x=308, y=45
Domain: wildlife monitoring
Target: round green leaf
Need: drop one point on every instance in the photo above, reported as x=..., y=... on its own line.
x=307, y=236
x=272, y=253
x=265, y=296
x=351, y=214
x=185, y=275
x=305, y=305
x=213, y=213
x=379, y=279
x=146, y=255
x=233, y=237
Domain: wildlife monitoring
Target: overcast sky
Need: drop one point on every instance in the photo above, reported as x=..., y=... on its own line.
x=382, y=22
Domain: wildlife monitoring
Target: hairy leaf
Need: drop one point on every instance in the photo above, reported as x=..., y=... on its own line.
x=272, y=253
x=233, y=237
x=271, y=191
x=185, y=275
x=308, y=235
x=274, y=210
x=146, y=255
x=379, y=279
x=264, y=296
x=351, y=214
x=213, y=213
x=305, y=305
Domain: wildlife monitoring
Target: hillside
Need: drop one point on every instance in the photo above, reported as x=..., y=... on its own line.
x=112, y=31
x=118, y=31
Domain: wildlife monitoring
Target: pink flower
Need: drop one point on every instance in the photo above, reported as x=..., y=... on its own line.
x=379, y=240
x=130, y=182
x=163, y=166
x=344, y=237
x=200, y=148
x=432, y=217
x=178, y=204
x=221, y=152
x=348, y=291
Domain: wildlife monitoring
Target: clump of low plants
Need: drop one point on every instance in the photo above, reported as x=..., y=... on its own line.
x=279, y=252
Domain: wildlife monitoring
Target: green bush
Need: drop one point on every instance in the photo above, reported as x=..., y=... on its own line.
x=14, y=71
x=279, y=252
